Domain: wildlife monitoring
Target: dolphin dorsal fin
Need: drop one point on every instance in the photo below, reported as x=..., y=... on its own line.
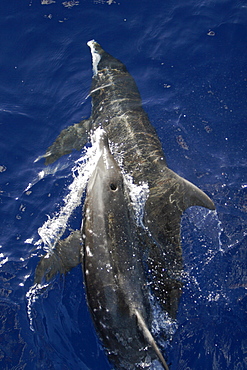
x=195, y=196
x=185, y=194
x=150, y=339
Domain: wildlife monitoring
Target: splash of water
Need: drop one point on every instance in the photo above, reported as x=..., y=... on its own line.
x=32, y=296
x=138, y=195
x=54, y=227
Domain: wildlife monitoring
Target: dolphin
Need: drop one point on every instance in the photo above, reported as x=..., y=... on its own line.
x=108, y=246
x=113, y=268
x=117, y=108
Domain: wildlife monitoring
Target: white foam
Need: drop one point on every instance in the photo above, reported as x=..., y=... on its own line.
x=138, y=195
x=32, y=295
x=50, y=170
x=4, y=260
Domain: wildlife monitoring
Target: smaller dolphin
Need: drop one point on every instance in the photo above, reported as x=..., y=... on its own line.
x=114, y=277
x=112, y=264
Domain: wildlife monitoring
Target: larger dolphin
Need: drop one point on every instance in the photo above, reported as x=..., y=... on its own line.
x=117, y=107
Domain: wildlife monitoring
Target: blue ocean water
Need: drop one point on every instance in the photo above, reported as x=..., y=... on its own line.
x=189, y=62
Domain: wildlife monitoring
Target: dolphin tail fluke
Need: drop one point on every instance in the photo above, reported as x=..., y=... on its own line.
x=150, y=339
x=73, y=137
x=66, y=255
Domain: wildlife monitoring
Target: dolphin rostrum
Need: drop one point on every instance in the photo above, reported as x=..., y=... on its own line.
x=117, y=107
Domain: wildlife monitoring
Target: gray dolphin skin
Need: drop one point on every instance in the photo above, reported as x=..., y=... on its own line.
x=117, y=108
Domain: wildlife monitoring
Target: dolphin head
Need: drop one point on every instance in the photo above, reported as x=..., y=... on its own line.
x=106, y=182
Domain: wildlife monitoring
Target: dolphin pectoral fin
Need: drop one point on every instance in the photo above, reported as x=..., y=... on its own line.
x=73, y=137
x=47, y=267
x=66, y=255
x=149, y=338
